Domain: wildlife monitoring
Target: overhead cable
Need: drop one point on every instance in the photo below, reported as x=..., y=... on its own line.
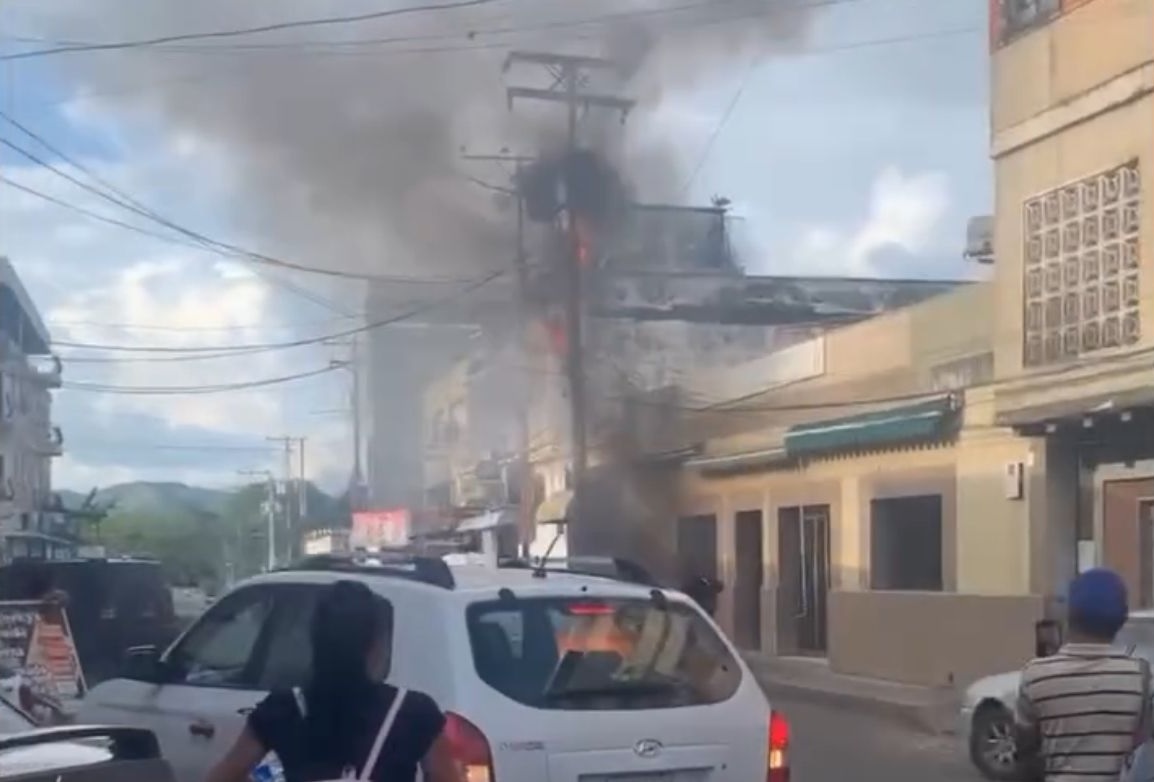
x=271, y=346
x=242, y=31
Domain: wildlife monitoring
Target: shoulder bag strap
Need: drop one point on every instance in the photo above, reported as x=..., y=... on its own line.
x=299, y=697
x=382, y=734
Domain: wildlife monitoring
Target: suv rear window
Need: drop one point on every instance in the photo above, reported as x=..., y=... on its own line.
x=594, y=654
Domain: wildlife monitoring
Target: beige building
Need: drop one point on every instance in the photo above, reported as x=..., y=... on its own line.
x=1073, y=145
x=868, y=507
x=1011, y=436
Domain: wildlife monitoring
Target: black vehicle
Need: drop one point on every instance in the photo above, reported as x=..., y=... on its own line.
x=113, y=604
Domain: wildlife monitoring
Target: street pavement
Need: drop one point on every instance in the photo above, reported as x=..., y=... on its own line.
x=831, y=744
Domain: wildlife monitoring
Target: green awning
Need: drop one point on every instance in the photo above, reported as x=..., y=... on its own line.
x=920, y=422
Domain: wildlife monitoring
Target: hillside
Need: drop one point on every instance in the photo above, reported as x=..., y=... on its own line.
x=147, y=499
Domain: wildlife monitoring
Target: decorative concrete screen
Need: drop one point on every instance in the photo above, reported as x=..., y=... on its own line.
x=1081, y=267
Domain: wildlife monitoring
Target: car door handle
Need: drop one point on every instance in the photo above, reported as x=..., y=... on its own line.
x=202, y=729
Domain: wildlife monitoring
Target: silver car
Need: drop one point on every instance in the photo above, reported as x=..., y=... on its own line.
x=986, y=722
x=30, y=754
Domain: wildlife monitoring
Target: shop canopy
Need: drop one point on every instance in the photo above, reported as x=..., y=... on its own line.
x=924, y=421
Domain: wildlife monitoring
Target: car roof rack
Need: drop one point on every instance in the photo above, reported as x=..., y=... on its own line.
x=614, y=568
x=426, y=570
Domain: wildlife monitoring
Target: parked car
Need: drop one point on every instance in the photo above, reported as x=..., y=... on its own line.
x=113, y=604
x=986, y=721
x=508, y=652
x=102, y=754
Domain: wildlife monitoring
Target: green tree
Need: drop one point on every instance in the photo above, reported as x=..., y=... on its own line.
x=188, y=545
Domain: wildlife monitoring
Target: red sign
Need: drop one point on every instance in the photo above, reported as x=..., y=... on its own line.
x=375, y=529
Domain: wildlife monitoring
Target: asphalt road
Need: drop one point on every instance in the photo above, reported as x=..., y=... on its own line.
x=832, y=745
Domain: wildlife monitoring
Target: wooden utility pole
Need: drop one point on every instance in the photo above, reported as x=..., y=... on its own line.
x=569, y=74
x=521, y=264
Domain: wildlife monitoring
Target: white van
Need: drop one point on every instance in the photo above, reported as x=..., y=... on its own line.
x=544, y=675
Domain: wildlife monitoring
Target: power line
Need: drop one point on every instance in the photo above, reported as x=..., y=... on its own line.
x=470, y=34
x=242, y=31
x=727, y=114
x=270, y=346
x=206, y=447
x=199, y=241
x=100, y=388
x=159, y=327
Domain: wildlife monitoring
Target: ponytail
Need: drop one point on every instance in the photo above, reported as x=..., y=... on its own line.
x=347, y=621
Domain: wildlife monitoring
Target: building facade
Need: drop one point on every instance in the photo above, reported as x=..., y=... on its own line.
x=33, y=522
x=869, y=493
x=1073, y=150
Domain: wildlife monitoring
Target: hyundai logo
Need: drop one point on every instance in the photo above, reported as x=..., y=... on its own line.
x=647, y=748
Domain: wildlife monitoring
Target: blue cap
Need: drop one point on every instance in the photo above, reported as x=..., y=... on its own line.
x=1097, y=602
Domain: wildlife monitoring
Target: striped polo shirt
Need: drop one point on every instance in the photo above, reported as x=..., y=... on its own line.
x=1085, y=703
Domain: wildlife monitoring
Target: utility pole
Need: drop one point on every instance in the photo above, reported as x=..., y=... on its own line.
x=521, y=264
x=569, y=74
x=303, y=500
x=288, y=516
x=353, y=365
x=269, y=512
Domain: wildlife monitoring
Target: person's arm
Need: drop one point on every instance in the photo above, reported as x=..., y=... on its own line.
x=1029, y=737
x=438, y=764
x=240, y=760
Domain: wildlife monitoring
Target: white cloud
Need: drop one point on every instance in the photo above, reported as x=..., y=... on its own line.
x=91, y=280
x=904, y=212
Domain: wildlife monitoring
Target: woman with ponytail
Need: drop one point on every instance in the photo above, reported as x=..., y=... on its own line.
x=346, y=723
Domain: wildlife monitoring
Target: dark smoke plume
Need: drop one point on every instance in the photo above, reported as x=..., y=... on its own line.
x=345, y=140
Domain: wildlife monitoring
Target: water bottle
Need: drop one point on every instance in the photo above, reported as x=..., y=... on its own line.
x=268, y=770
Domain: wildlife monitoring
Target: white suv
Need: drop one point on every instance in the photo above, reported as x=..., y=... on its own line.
x=545, y=675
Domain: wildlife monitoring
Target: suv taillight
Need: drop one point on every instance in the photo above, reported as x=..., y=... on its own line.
x=470, y=748
x=777, y=760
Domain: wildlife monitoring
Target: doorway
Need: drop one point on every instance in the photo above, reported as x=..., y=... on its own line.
x=697, y=546
x=803, y=540
x=1127, y=536
x=1146, y=551
x=748, y=580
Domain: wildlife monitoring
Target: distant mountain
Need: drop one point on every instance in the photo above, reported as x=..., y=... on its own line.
x=143, y=498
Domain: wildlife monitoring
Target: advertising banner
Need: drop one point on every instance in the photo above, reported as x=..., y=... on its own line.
x=36, y=643
x=379, y=529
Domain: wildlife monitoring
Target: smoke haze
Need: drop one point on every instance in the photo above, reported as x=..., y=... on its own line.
x=345, y=141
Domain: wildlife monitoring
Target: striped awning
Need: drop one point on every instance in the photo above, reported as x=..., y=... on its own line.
x=924, y=421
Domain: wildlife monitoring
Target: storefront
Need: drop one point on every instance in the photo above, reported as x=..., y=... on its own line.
x=848, y=536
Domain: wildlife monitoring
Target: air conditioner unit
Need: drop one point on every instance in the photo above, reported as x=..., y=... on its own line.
x=1015, y=483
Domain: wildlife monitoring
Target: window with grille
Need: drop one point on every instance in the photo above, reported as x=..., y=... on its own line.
x=1082, y=259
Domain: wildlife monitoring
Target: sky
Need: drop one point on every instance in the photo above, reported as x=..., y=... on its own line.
x=858, y=149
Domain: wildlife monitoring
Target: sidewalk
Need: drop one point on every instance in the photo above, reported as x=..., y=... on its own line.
x=933, y=710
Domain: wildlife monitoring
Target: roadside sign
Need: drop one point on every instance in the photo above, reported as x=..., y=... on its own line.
x=36, y=642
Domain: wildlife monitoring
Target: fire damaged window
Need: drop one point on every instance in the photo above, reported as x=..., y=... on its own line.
x=906, y=543
x=1081, y=262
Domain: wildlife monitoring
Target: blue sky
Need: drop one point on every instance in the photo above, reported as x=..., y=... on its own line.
x=859, y=150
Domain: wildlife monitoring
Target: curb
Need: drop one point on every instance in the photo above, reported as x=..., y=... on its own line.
x=937, y=716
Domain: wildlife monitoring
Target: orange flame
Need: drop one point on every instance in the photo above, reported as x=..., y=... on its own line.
x=583, y=238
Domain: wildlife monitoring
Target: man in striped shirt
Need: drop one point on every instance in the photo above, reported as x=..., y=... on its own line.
x=1083, y=710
